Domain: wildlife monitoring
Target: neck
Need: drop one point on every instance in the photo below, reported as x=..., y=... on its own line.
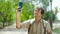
x=37, y=20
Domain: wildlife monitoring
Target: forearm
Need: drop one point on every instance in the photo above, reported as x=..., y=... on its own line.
x=17, y=19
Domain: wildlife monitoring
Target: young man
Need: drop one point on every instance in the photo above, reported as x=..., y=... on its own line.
x=38, y=25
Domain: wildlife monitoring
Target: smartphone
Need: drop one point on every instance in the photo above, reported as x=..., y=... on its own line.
x=20, y=4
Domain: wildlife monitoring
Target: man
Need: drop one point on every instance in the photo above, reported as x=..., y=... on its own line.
x=38, y=25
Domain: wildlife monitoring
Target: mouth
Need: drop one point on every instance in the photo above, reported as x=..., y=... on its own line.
x=35, y=15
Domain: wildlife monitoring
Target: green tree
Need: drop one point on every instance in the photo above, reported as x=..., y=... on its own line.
x=47, y=15
x=8, y=11
x=45, y=4
x=27, y=11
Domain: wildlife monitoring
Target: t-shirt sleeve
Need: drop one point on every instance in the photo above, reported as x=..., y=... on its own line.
x=25, y=24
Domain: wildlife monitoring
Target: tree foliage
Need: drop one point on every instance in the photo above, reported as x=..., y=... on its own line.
x=7, y=10
x=27, y=11
x=47, y=16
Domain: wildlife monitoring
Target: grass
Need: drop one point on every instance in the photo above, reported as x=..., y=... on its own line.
x=56, y=31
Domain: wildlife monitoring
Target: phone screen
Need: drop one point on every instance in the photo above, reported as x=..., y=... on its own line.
x=20, y=4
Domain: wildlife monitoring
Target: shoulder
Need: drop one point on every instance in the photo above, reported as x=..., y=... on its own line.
x=30, y=21
x=46, y=22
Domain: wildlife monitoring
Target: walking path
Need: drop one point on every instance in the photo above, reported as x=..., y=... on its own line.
x=12, y=29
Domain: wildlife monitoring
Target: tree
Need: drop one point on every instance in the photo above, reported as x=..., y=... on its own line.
x=27, y=11
x=47, y=15
x=7, y=11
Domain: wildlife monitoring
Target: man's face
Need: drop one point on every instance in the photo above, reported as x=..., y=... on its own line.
x=37, y=13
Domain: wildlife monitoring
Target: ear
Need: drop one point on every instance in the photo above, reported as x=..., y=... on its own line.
x=41, y=15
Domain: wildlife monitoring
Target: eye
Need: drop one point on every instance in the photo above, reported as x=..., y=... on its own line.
x=37, y=11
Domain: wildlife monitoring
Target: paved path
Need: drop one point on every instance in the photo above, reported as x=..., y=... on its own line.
x=13, y=32
x=12, y=29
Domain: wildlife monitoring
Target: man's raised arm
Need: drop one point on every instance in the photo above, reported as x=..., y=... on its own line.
x=19, y=25
x=18, y=18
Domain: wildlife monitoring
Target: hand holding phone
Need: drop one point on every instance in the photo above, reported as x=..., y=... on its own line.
x=20, y=6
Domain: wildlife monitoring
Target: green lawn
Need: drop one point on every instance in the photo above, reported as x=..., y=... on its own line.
x=56, y=31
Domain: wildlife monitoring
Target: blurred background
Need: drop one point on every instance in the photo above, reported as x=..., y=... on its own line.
x=8, y=13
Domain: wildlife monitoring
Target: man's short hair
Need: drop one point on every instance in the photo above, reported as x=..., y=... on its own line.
x=40, y=8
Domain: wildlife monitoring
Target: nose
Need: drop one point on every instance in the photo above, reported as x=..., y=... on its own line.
x=35, y=13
